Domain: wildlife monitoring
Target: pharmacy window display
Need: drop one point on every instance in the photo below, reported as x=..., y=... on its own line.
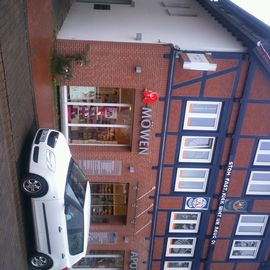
x=97, y=116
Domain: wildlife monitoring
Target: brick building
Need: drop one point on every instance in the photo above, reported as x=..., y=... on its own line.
x=181, y=182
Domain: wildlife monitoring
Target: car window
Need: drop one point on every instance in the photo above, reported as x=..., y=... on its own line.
x=74, y=202
x=77, y=181
x=75, y=225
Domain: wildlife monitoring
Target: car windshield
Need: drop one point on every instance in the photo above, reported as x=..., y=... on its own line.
x=77, y=180
x=74, y=200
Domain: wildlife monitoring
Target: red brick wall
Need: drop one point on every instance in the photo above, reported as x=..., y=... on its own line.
x=112, y=65
x=221, y=249
x=260, y=89
x=227, y=225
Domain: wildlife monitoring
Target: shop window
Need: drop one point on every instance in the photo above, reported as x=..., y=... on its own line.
x=251, y=224
x=99, y=116
x=202, y=115
x=109, y=203
x=262, y=156
x=177, y=265
x=184, y=222
x=180, y=247
x=102, y=259
x=245, y=249
x=259, y=183
x=196, y=149
x=191, y=180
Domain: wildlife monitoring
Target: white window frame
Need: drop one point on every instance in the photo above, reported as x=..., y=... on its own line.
x=180, y=179
x=245, y=248
x=180, y=245
x=167, y=267
x=261, y=152
x=189, y=115
x=174, y=221
x=196, y=148
x=253, y=182
x=260, y=225
x=65, y=125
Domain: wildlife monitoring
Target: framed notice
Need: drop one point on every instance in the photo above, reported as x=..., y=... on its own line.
x=101, y=167
x=103, y=237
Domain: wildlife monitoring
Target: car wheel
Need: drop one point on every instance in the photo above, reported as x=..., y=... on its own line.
x=40, y=261
x=34, y=186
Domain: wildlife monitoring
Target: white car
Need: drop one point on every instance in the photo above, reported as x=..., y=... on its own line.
x=60, y=199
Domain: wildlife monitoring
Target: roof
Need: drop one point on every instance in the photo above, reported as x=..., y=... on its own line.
x=254, y=34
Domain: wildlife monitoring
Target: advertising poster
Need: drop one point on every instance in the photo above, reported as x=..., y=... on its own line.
x=236, y=205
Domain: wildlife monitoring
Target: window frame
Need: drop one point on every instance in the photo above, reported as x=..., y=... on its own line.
x=180, y=179
x=261, y=152
x=173, y=221
x=167, y=267
x=180, y=246
x=251, y=182
x=233, y=248
x=189, y=115
x=197, y=148
x=262, y=225
x=66, y=125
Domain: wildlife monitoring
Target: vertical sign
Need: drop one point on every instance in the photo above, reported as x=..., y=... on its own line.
x=222, y=201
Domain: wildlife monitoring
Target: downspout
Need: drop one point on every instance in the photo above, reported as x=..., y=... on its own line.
x=162, y=152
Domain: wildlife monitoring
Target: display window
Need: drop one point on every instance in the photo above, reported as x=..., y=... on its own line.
x=102, y=259
x=97, y=116
x=109, y=203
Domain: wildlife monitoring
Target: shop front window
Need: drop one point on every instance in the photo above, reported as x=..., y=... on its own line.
x=98, y=116
x=102, y=259
x=109, y=203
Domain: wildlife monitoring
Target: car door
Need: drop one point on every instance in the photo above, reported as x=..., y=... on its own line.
x=55, y=212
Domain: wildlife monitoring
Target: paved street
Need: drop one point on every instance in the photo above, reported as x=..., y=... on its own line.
x=17, y=124
x=24, y=50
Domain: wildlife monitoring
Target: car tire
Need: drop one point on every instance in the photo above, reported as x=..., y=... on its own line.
x=40, y=261
x=34, y=186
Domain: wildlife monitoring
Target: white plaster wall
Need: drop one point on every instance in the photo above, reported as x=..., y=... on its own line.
x=150, y=18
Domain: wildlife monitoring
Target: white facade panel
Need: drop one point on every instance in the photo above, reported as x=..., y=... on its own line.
x=152, y=19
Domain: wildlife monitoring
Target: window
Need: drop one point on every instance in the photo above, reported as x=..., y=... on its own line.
x=109, y=203
x=98, y=116
x=262, y=156
x=245, y=249
x=202, y=115
x=180, y=247
x=196, y=149
x=184, y=222
x=191, y=180
x=259, y=183
x=102, y=7
x=102, y=259
x=177, y=265
x=251, y=224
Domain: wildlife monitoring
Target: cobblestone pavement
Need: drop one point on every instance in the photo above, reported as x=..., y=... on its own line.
x=17, y=124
